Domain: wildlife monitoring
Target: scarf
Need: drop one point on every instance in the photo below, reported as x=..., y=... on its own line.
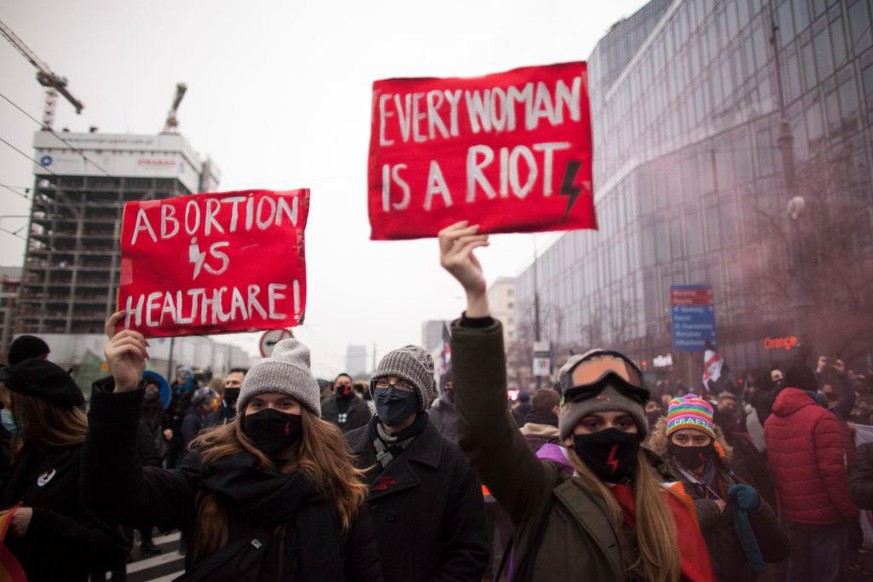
x=693, y=555
x=265, y=498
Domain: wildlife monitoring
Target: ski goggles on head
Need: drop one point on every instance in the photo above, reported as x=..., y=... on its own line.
x=593, y=374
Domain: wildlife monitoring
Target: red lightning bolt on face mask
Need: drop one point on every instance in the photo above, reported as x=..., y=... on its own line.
x=611, y=460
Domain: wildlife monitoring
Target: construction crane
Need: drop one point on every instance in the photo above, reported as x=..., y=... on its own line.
x=53, y=83
x=172, y=123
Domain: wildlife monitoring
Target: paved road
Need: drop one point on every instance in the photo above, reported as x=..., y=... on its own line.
x=163, y=567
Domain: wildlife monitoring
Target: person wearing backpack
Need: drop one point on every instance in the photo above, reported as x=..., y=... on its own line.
x=272, y=495
x=612, y=518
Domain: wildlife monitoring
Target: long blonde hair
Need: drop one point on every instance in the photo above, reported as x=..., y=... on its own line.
x=321, y=454
x=41, y=423
x=651, y=554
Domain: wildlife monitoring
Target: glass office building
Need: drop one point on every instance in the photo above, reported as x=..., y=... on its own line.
x=694, y=171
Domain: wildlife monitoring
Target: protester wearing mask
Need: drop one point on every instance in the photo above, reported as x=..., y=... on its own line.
x=52, y=534
x=741, y=529
x=611, y=519
x=272, y=495
x=226, y=411
x=442, y=412
x=427, y=504
x=344, y=408
x=653, y=412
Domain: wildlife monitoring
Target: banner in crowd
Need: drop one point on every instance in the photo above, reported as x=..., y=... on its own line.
x=214, y=263
x=509, y=151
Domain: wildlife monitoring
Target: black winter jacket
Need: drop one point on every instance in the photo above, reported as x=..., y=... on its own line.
x=119, y=486
x=64, y=540
x=428, y=509
x=861, y=478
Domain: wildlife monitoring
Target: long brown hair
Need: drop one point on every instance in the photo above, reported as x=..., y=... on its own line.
x=44, y=424
x=651, y=553
x=321, y=454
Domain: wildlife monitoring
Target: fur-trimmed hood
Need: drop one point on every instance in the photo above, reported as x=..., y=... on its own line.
x=658, y=442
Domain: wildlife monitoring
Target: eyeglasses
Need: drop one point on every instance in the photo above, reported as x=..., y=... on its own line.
x=590, y=377
x=402, y=385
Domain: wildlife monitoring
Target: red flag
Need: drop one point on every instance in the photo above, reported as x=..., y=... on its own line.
x=509, y=151
x=214, y=263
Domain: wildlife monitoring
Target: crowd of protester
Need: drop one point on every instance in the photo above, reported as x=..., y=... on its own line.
x=272, y=474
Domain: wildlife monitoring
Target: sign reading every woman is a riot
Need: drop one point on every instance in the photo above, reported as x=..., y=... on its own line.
x=510, y=152
x=214, y=263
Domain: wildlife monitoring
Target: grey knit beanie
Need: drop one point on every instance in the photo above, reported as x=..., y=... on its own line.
x=413, y=364
x=286, y=371
x=572, y=413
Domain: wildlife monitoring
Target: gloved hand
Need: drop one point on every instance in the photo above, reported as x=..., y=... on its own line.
x=745, y=496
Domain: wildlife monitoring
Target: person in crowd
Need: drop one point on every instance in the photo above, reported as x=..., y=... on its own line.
x=442, y=412
x=52, y=534
x=181, y=391
x=541, y=424
x=203, y=403
x=806, y=451
x=226, y=410
x=272, y=495
x=653, y=411
x=741, y=529
x=25, y=347
x=427, y=504
x=612, y=519
x=150, y=444
x=343, y=408
x=521, y=407
x=861, y=478
x=362, y=389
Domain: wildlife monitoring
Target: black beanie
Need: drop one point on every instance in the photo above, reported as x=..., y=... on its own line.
x=41, y=379
x=801, y=377
x=26, y=346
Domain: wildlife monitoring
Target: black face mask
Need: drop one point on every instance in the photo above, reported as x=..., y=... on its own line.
x=344, y=392
x=152, y=395
x=394, y=406
x=231, y=395
x=272, y=431
x=691, y=457
x=611, y=454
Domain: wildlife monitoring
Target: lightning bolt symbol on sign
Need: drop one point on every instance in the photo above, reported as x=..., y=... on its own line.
x=568, y=186
x=611, y=460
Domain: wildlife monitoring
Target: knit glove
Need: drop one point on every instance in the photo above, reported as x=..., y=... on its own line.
x=745, y=496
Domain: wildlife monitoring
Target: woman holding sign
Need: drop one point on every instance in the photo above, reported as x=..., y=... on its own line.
x=272, y=495
x=612, y=518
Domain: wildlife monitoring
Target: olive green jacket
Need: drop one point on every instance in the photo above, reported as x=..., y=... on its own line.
x=578, y=541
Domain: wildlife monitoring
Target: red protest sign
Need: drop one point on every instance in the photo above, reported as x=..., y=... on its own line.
x=214, y=263
x=509, y=151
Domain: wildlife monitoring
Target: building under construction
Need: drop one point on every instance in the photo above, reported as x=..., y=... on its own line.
x=81, y=183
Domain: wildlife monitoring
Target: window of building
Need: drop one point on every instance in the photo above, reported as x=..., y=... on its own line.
x=693, y=232
x=785, y=20
x=807, y=62
x=838, y=37
x=823, y=54
x=859, y=23
x=814, y=123
x=848, y=92
x=801, y=15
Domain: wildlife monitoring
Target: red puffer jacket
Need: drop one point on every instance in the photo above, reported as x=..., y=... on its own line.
x=807, y=456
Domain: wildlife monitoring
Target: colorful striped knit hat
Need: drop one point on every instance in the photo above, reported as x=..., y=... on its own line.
x=690, y=411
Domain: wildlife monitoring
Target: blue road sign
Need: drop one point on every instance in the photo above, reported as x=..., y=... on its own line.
x=693, y=317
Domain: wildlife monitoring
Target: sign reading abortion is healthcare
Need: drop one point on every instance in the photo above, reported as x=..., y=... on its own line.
x=509, y=151
x=214, y=263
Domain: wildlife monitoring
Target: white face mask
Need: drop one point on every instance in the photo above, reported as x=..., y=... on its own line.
x=8, y=421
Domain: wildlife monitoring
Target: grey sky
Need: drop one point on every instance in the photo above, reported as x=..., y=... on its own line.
x=279, y=96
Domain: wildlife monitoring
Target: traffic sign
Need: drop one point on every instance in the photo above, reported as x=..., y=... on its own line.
x=271, y=338
x=693, y=317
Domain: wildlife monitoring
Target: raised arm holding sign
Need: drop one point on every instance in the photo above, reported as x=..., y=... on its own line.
x=510, y=152
x=214, y=263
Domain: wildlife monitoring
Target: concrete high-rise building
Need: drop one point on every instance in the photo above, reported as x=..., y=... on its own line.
x=724, y=159
x=432, y=334
x=501, y=301
x=356, y=361
x=73, y=256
